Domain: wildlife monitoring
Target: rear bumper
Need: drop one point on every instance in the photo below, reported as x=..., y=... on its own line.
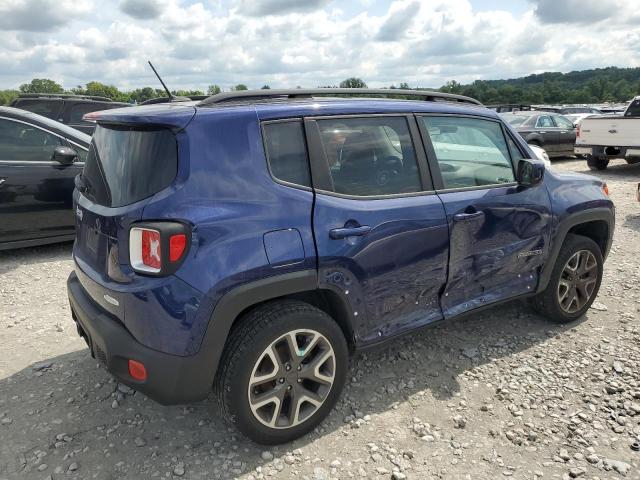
x=607, y=151
x=171, y=379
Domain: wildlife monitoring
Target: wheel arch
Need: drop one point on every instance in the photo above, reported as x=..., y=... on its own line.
x=597, y=224
x=301, y=285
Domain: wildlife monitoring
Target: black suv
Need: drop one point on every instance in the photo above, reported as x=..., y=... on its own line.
x=67, y=109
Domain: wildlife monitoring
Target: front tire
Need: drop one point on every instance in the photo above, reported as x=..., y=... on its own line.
x=574, y=282
x=597, y=163
x=282, y=372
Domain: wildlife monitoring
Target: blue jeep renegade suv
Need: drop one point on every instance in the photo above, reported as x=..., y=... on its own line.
x=252, y=241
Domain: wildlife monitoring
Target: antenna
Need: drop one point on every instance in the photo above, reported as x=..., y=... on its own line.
x=165, y=87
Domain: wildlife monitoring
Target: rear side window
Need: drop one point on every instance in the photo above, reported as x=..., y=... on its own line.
x=370, y=156
x=46, y=108
x=126, y=164
x=287, y=152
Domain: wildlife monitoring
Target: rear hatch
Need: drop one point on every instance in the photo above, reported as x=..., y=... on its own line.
x=133, y=156
x=610, y=131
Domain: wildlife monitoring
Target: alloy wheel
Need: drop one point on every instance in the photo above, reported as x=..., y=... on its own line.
x=291, y=379
x=577, y=281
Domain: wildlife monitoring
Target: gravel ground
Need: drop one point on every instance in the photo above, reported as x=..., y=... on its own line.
x=498, y=394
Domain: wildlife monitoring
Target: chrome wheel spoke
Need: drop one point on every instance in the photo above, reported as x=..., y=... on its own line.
x=291, y=379
x=259, y=376
x=577, y=281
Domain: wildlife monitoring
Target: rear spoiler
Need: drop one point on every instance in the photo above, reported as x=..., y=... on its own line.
x=175, y=116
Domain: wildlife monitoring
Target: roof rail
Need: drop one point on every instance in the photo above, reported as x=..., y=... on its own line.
x=254, y=95
x=64, y=95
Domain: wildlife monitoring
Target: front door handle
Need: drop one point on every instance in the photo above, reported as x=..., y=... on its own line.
x=2, y=180
x=460, y=217
x=338, y=233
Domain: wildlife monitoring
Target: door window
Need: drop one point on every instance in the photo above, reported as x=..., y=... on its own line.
x=563, y=122
x=370, y=156
x=287, y=152
x=544, y=122
x=24, y=142
x=470, y=152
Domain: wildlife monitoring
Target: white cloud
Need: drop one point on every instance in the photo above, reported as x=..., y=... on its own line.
x=274, y=42
x=40, y=15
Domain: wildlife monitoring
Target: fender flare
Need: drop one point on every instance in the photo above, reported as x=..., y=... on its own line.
x=602, y=214
x=235, y=301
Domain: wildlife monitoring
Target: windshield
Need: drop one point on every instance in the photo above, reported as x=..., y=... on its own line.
x=516, y=120
x=128, y=164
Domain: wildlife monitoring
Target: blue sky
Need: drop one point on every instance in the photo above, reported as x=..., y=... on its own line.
x=288, y=43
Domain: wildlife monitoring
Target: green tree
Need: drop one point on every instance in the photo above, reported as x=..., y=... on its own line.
x=353, y=82
x=240, y=86
x=213, y=89
x=41, y=85
x=7, y=96
x=265, y=87
x=101, y=90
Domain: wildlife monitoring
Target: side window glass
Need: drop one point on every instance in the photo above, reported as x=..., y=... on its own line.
x=23, y=142
x=82, y=153
x=286, y=151
x=370, y=156
x=516, y=154
x=79, y=110
x=562, y=122
x=544, y=122
x=470, y=152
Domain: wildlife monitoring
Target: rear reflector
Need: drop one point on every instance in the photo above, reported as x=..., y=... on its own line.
x=137, y=371
x=177, y=244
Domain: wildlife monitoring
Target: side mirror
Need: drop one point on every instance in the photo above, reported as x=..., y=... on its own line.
x=64, y=155
x=530, y=173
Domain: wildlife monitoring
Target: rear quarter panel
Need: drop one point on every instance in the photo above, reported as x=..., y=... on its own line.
x=232, y=202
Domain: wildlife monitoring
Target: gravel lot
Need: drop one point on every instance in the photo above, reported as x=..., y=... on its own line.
x=498, y=394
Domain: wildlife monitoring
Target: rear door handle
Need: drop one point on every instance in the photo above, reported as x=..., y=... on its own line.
x=2, y=180
x=338, y=233
x=460, y=217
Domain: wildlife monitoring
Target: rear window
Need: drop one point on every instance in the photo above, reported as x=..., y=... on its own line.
x=127, y=164
x=633, y=110
x=46, y=108
x=516, y=120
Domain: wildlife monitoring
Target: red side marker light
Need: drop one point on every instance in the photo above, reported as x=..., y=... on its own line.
x=137, y=371
x=177, y=244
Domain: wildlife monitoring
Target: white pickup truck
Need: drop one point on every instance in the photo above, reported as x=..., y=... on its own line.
x=605, y=137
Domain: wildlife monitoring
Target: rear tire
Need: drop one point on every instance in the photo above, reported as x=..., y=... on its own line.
x=578, y=271
x=597, y=163
x=282, y=371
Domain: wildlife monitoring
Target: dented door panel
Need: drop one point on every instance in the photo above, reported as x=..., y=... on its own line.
x=499, y=239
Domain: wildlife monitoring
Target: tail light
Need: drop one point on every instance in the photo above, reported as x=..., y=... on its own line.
x=605, y=189
x=578, y=131
x=158, y=248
